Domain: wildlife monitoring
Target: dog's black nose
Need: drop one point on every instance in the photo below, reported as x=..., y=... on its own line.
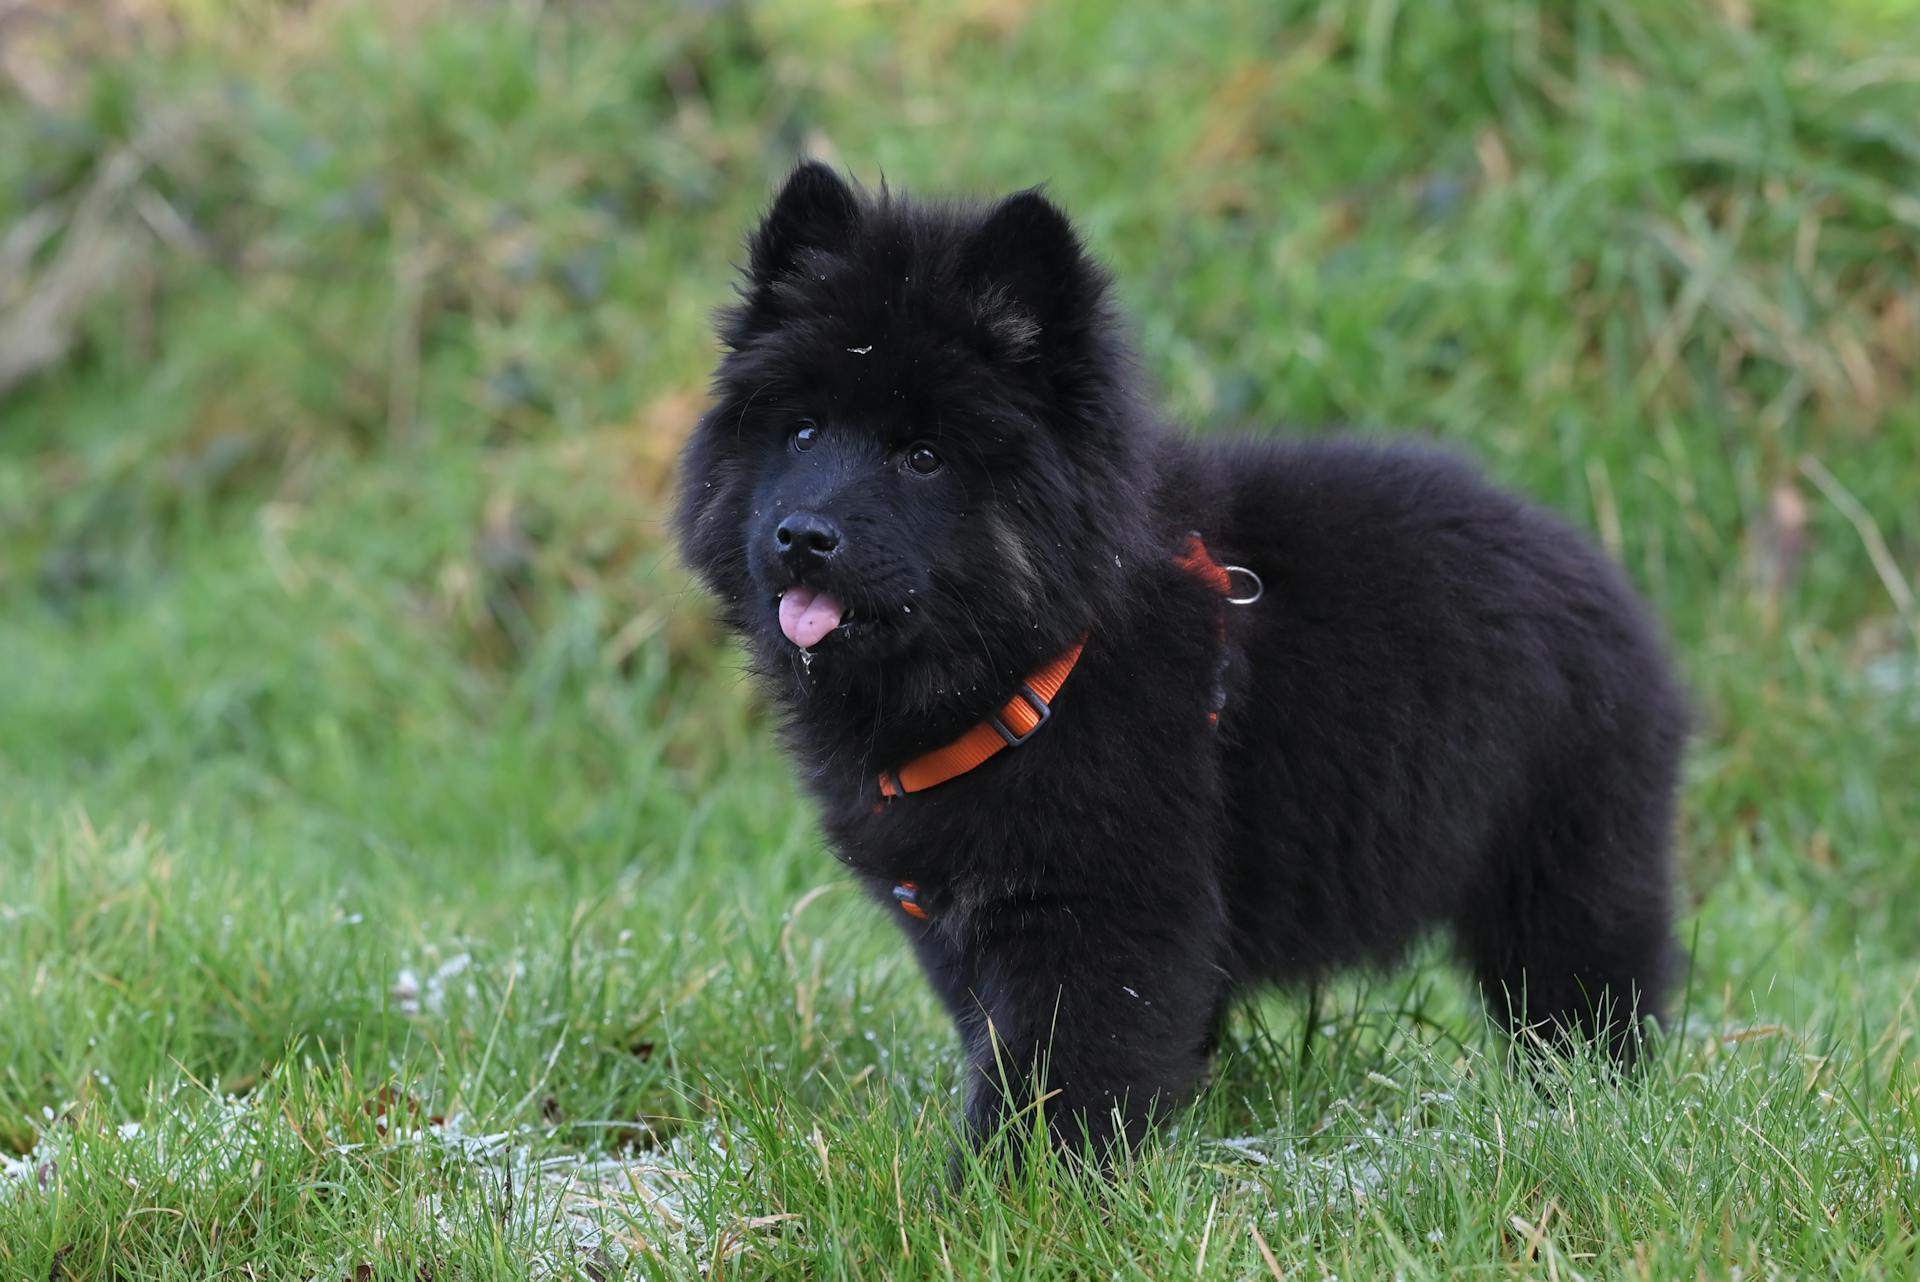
x=806, y=540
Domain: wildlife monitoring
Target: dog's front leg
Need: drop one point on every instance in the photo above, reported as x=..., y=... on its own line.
x=1100, y=1022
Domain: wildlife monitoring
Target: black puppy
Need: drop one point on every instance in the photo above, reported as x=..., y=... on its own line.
x=1100, y=789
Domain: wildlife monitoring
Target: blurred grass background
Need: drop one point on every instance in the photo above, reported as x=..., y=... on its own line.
x=344, y=353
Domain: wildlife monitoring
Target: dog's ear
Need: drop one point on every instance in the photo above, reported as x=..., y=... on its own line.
x=1035, y=281
x=815, y=210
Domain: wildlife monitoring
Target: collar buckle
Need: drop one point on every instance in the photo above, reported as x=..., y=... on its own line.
x=1042, y=710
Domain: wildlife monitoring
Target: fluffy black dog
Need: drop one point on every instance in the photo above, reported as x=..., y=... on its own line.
x=931, y=500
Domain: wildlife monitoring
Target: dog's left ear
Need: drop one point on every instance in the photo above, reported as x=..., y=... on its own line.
x=1036, y=283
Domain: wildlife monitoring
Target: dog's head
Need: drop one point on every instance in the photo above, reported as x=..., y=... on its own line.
x=919, y=446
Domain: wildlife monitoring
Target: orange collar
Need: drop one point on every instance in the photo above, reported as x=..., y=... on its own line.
x=1010, y=727
x=1032, y=704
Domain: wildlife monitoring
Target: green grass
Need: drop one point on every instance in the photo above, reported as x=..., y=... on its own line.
x=396, y=879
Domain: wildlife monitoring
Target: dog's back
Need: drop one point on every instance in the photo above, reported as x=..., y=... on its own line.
x=1449, y=709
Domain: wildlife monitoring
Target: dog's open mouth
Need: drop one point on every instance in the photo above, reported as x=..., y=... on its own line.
x=808, y=615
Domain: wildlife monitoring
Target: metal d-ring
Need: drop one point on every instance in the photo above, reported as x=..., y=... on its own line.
x=1256, y=590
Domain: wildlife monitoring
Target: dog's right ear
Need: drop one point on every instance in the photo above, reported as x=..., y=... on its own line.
x=1039, y=293
x=815, y=210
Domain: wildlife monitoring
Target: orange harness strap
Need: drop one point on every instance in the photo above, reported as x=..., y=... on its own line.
x=1012, y=726
x=1197, y=561
x=1032, y=704
x=1027, y=711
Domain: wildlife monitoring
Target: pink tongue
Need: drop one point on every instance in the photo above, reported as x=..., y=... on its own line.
x=807, y=615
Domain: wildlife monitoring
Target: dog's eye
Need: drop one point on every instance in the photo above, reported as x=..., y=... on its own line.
x=922, y=459
x=805, y=435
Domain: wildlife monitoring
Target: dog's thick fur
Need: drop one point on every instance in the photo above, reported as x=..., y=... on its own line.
x=1447, y=712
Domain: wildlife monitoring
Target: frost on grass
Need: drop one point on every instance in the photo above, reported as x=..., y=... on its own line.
x=569, y=1208
x=33, y=1170
x=411, y=995
x=1328, y=1174
x=561, y=1211
x=1335, y=1182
